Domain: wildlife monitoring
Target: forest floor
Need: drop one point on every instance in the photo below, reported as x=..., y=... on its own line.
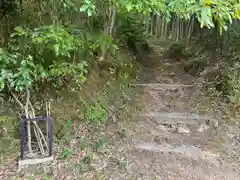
x=177, y=135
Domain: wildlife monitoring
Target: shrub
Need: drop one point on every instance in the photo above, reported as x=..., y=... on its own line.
x=176, y=51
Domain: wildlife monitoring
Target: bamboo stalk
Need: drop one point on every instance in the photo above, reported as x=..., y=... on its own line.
x=41, y=135
x=28, y=123
x=39, y=141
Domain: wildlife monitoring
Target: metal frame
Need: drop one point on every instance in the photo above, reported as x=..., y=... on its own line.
x=22, y=133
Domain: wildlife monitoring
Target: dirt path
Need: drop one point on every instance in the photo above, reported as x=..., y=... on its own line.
x=173, y=138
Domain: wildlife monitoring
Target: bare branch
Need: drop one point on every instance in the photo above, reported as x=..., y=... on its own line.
x=27, y=114
x=27, y=103
x=33, y=111
x=17, y=100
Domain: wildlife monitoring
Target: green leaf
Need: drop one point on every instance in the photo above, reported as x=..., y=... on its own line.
x=66, y=153
x=82, y=78
x=19, y=31
x=1, y=84
x=129, y=7
x=90, y=13
x=83, y=8
x=67, y=124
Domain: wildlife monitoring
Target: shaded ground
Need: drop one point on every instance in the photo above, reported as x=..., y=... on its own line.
x=174, y=137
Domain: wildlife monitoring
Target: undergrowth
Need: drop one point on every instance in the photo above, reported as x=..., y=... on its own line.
x=96, y=114
x=215, y=60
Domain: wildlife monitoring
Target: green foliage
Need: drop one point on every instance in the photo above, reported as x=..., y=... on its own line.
x=96, y=113
x=231, y=43
x=89, y=7
x=26, y=61
x=54, y=38
x=130, y=27
x=217, y=61
x=47, y=50
x=105, y=44
x=143, y=6
x=207, y=11
x=75, y=70
x=9, y=8
x=226, y=45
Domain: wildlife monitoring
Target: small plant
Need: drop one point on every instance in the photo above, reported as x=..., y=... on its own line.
x=66, y=153
x=65, y=133
x=86, y=159
x=96, y=113
x=101, y=143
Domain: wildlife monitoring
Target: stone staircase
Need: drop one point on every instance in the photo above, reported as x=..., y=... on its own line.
x=172, y=132
x=170, y=92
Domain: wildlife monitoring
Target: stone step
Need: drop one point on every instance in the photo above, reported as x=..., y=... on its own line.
x=186, y=150
x=165, y=86
x=177, y=118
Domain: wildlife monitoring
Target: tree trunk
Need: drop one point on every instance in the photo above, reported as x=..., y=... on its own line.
x=177, y=29
x=165, y=29
x=162, y=29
